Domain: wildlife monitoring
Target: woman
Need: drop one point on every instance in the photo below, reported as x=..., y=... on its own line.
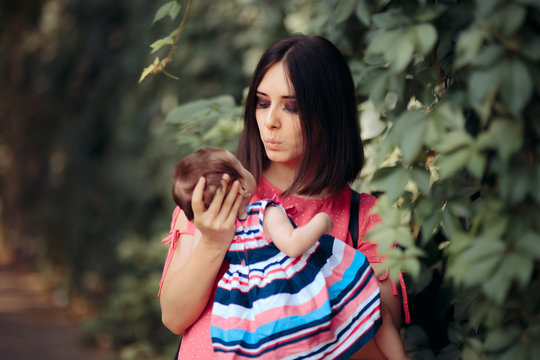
x=302, y=143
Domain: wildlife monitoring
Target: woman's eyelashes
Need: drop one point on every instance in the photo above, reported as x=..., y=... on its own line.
x=289, y=106
x=262, y=103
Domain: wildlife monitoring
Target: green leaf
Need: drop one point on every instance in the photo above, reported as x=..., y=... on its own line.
x=517, y=351
x=450, y=224
x=508, y=137
x=399, y=54
x=468, y=44
x=528, y=245
x=514, y=183
x=489, y=55
x=421, y=178
x=343, y=10
x=158, y=44
x=408, y=133
x=453, y=141
x=390, y=19
x=363, y=13
x=430, y=226
x=516, y=86
x=486, y=7
x=380, y=40
x=482, y=248
x=483, y=83
x=412, y=140
x=379, y=91
x=460, y=207
x=404, y=237
x=199, y=110
x=411, y=266
x=452, y=163
x=500, y=338
x=426, y=35
x=477, y=164
x=479, y=270
x=386, y=148
x=509, y=18
x=448, y=116
x=520, y=268
x=171, y=8
x=395, y=183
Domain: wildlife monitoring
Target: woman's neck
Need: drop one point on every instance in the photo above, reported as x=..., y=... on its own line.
x=282, y=176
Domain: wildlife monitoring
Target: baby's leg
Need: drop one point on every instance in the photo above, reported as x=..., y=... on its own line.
x=388, y=339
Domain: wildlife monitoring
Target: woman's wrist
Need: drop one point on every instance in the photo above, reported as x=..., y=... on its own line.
x=213, y=246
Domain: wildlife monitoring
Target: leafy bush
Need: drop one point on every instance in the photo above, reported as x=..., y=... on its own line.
x=131, y=319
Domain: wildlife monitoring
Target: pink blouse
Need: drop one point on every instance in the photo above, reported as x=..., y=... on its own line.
x=196, y=341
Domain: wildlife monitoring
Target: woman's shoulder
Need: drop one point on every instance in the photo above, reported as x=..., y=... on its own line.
x=180, y=222
x=367, y=201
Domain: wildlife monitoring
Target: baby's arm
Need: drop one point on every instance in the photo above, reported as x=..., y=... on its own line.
x=294, y=242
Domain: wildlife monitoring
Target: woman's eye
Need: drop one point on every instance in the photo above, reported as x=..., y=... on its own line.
x=262, y=104
x=291, y=107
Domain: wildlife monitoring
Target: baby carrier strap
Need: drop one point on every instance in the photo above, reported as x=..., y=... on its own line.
x=353, y=221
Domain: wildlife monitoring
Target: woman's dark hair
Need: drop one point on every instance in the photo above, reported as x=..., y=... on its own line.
x=209, y=162
x=325, y=96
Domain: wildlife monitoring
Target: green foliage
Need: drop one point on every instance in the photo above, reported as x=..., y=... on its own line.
x=131, y=318
x=208, y=122
x=456, y=85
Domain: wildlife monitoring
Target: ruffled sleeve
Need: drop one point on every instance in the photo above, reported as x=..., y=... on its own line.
x=172, y=241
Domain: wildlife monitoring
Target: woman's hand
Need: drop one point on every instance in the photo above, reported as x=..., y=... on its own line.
x=216, y=223
x=188, y=284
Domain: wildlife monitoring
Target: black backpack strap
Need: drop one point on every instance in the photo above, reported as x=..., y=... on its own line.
x=353, y=221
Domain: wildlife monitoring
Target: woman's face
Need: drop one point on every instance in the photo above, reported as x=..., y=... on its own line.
x=278, y=119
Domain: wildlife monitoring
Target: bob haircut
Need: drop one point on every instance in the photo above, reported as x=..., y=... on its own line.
x=208, y=162
x=325, y=96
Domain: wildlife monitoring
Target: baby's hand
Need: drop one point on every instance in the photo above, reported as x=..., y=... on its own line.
x=324, y=217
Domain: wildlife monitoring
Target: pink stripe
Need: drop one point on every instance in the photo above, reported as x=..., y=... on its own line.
x=354, y=335
x=311, y=342
x=344, y=263
x=315, y=340
x=369, y=288
x=272, y=314
x=243, y=282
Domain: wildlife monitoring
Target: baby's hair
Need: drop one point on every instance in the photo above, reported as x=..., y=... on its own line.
x=210, y=163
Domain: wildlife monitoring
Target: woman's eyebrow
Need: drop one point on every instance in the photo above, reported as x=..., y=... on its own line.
x=283, y=97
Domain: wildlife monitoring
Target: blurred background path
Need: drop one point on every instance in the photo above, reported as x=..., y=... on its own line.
x=31, y=326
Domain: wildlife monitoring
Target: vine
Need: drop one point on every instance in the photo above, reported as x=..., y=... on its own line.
x=171, y=8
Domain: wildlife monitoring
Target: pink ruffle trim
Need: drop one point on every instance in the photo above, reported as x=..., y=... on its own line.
x=406, y=312
x=172, y=241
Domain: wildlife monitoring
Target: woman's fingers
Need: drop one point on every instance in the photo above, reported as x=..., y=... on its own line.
x=228, y=203
x=215, y=205
x=235, y=208
x=197, y=203
x=224, y=207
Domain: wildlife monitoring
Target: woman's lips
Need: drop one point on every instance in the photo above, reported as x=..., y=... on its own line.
x=272, y=144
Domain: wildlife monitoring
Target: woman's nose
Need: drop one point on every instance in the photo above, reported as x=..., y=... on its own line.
x=272, y=118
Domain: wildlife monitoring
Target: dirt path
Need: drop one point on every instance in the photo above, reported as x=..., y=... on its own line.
x=31, y=327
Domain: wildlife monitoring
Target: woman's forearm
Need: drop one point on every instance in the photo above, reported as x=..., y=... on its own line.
x=187, y=288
